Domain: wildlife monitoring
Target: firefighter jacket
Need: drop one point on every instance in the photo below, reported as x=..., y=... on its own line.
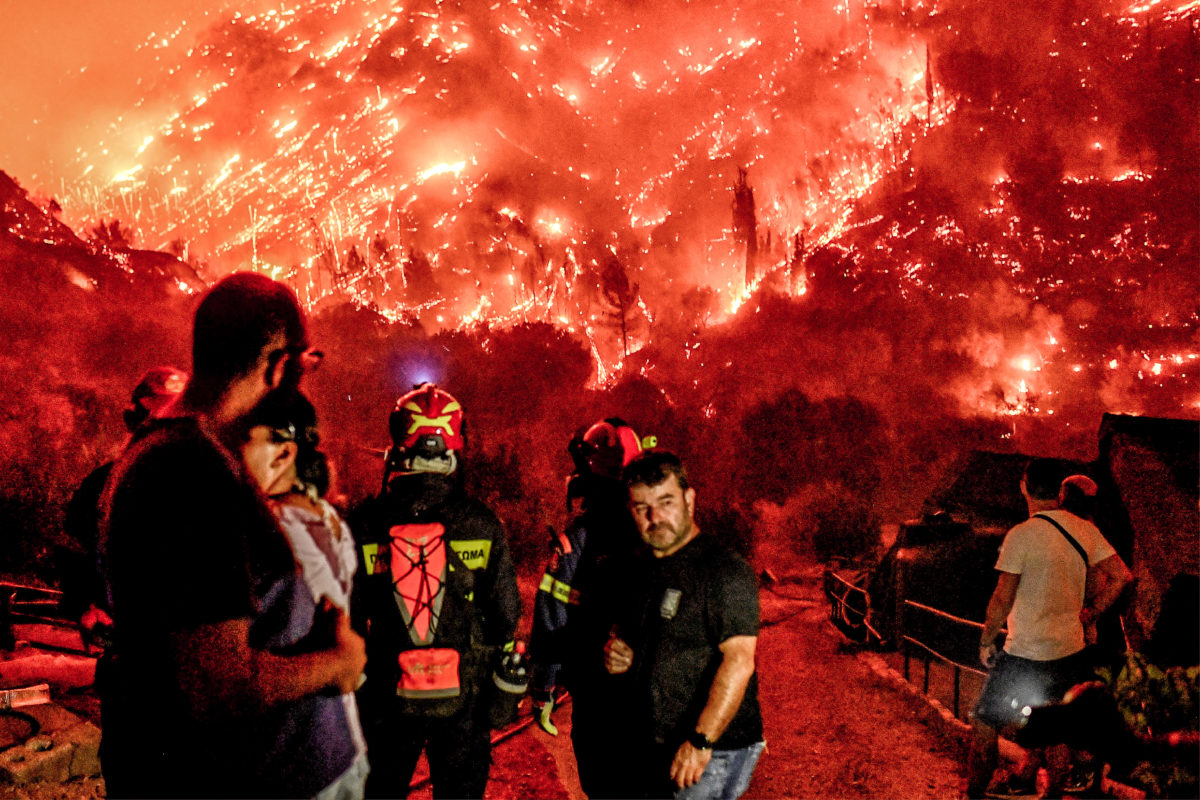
x=571, y=618
x=435, y=595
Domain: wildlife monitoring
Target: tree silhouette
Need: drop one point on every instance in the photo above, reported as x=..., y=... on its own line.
x=421, y=284
x=745, y=226
x=619, y=298
x=111, y=235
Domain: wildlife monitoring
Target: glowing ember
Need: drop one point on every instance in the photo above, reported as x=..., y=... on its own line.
x=586, y=164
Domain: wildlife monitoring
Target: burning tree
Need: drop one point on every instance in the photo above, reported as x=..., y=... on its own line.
x=619, y=297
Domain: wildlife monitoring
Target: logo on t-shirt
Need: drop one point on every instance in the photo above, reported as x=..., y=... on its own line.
x=669, y=604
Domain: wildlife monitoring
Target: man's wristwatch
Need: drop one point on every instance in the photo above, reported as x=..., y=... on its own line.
x=699, y=741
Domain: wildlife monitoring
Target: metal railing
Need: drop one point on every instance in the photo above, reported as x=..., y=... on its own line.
x=25, y=604
x=930, y=652
x=33, y=603
x=849, y=619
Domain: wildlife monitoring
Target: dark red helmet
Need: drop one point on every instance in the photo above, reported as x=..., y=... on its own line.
x=157, y=391
x=605, y=448
x=427, y=420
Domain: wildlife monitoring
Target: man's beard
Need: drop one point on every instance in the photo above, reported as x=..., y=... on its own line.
x=675, y=536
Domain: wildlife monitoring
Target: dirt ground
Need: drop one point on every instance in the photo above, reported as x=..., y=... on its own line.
x=833, y=728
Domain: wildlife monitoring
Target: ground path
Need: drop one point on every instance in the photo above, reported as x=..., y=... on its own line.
x=834, y=728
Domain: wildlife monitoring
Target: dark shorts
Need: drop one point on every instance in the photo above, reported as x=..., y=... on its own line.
x=1015, y=684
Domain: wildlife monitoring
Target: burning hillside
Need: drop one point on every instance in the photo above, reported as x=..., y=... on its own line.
x=941, y=223
x=582, y=162
x=494, y=161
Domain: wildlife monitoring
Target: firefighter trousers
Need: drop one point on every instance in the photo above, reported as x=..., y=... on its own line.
x=458, y=749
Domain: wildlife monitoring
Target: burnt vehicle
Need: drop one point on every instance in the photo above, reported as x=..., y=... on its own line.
x=937, y=562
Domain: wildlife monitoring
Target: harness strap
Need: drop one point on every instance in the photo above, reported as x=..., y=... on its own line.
x=1078, y=547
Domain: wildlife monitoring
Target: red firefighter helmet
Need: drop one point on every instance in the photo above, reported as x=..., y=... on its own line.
x=157, y=391
x=606, y=447
x=427, y=420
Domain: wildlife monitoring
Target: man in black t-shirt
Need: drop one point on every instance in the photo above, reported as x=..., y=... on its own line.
x=214, y=690
x=688, y=635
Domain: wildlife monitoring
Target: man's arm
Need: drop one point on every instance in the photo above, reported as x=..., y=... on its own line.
x=1106, y=580
x=219, y=673
x=724, y=697
x=999, y=605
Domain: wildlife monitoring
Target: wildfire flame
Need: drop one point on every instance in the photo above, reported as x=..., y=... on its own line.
x=572, y=162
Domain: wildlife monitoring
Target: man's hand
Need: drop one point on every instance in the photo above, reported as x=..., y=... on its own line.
x=1087, y=618
x=618, y=656
x=93, y=618
x=988, y=653
x=352, y=652
x=689, y=764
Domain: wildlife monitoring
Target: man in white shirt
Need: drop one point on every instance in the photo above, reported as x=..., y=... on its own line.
x=1047, y=565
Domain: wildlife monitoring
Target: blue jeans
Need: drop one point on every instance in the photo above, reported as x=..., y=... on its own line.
x=727, y=775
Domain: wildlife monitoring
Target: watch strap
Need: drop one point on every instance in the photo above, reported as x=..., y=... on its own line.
x=699, y=741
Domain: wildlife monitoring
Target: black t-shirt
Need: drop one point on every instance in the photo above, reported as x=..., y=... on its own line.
x=186, y=541
x=687, y=605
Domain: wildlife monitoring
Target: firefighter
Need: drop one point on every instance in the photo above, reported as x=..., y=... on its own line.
x=436, y=599
x=84, y=597
x=570, y=609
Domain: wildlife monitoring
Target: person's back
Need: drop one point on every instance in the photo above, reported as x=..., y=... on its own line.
x=1044, y=622
x=182, y=527
x=217, y=687
x=81, y=583
x=84, y=595
x=1043, y=573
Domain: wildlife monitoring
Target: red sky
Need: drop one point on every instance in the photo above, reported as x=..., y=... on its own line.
x=70, y=64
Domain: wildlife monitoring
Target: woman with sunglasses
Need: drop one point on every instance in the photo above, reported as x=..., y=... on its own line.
x=281, y=456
